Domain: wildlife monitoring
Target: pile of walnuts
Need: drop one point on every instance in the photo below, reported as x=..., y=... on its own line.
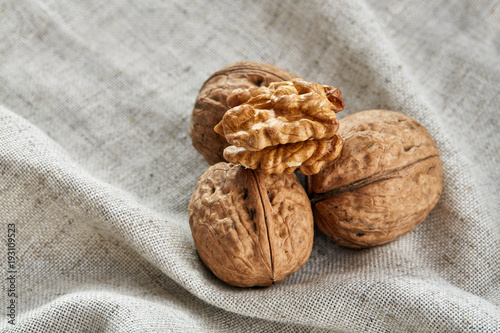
x=371, y=177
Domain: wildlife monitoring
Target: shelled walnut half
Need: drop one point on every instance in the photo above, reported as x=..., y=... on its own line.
x=385, y=182
x=288, y=125
x=250, y=229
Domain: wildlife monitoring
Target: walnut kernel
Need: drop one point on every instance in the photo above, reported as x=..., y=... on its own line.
x=288, y=125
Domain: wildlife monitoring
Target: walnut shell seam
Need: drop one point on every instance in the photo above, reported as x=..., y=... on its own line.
x=377, y=177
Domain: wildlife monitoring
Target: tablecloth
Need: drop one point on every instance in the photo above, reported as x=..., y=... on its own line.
x=97, y=166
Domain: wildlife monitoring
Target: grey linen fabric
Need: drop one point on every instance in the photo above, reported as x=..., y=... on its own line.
x=97, y=166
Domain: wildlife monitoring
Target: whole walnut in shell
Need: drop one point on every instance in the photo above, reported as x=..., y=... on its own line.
x=211, y=104
x=385, y=182
x=250, y=229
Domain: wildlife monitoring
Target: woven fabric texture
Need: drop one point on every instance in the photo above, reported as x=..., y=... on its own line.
x=97, y=166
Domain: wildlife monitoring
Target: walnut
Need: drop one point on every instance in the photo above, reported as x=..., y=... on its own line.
x=288, y=125
x=250, y=229
x=309, y=155
x=211, y=103
x=387, y=179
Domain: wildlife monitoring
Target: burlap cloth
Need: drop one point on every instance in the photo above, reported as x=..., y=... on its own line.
x=97, y=166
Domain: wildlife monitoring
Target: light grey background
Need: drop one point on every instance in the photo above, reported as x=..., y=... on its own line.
x=97, y=167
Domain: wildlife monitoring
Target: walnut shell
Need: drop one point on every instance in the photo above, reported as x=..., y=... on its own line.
x=211, y=103
x=250, y=229
x=387, y=179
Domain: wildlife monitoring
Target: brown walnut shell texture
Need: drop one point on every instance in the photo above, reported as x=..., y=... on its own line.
x=385, y=182
x=250, y=229
x=211, y=103
x=288, y=125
